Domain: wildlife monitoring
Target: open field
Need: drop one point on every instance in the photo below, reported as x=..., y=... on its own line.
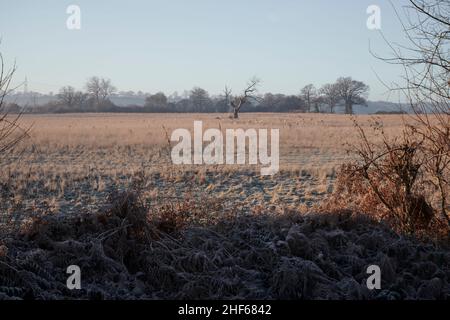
x=99, y=191
x=169, y=151
x=72, y=162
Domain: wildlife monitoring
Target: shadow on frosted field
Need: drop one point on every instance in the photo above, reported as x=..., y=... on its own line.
x=129, y=250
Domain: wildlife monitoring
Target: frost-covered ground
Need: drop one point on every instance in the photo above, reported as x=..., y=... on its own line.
x=129, y=251
x=194, y=232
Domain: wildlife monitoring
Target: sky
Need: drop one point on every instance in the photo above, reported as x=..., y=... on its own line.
x=174, y=45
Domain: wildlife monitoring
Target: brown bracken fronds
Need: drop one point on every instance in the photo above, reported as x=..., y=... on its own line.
x=392, y=181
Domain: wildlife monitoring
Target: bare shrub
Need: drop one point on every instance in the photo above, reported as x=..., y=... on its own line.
x=11, y=133
x=391, y=181
x=405, y=180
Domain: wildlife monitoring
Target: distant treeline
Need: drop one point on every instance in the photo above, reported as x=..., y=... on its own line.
x=158, y=104
x=99, y=92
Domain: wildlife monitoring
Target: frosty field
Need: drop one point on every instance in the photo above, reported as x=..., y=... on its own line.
x=71, y=162
x=99, y=191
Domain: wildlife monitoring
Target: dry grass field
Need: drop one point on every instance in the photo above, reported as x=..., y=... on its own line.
x=99, y=191
x=71, y=162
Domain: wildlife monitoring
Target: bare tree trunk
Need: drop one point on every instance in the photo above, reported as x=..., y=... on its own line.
x=316, y=107
x=235, y=113
x=348, y=108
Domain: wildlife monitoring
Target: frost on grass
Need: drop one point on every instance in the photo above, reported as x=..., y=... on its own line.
x=130, y=251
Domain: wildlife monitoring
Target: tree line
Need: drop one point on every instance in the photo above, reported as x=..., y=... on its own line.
x=96, y=97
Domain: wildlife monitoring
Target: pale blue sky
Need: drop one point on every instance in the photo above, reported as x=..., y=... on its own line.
x=173, y=45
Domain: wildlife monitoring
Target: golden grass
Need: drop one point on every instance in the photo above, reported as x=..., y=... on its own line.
x=106, y=130
x=74, y=160
x=309, y=140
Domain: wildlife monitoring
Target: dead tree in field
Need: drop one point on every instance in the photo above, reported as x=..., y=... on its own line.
x=11, y=132
x=238, y=101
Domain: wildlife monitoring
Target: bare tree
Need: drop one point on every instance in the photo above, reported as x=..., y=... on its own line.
x=80, y=99
x=106, y=88
x=330, y=95
x=309, y=94
x=352, y=92
x=93, y=87
x=407, y=178
x=227, y=95
x=426, y=65
x=71, y=98
x=200, y=99
x=426, y=61
x=66, y=96
x=248, y=94
x=99, y=89
x=157, y=101
x=11, y=133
